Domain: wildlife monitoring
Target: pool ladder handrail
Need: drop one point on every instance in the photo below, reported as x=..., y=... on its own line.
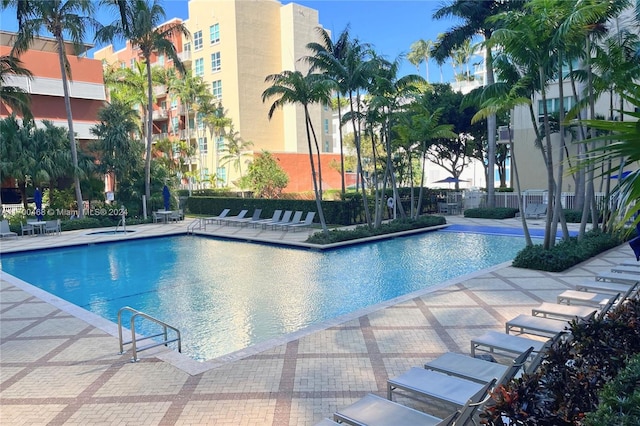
x=196, y=224
x=134, y=339
x=122, y=221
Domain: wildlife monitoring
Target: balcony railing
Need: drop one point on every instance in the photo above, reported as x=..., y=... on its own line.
x=160, y=90
x=160, y=114
x=184, y=134
x=184, y=56
x=159, y=136
x=183, y=110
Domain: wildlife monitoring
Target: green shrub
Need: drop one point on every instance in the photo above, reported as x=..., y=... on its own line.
x=363, y=231
x=619, y=399
x=566, y=254
x=494, y=213
x=84, y=223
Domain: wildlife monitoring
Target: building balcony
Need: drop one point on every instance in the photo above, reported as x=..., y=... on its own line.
x=184, y=135
x=159, y=136
x=185, y=57
x=160, y=114
x=160, y=90
x=183, y=110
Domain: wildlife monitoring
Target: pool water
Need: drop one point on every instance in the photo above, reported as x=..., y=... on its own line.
x=225, y=296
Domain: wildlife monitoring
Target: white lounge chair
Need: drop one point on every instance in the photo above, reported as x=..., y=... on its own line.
x=265, y=222
x=616, y=277
x=297, y=216
x=308, y=220
x=373, y=410
x=5, y=231
x=227, y=220
x=216, y=219
x=493, y=341
x=539, y=326
x=606, y=287
x=566, y=312
x=286, y=217
x=587, y=298
x=625, y=269
x=421, y=384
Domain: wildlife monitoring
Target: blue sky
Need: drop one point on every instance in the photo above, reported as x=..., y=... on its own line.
x=389, y=26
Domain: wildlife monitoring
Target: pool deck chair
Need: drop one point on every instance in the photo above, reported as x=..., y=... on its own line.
x=286, y=217
x=635, y=269
x=616, y=277
x=605, y=287
x=5, y=232
x=297, y=216
x=493, y=341
x=539, y=326
x=629, y=264
x=245, y=221
x=426, y=385
x=326, y=422
x=575, y=297
x=308, y=220
x=227, y=220
x=565, y=312
x=52, y=227
x=274, y=218
x=216, y=219
x=373, y=410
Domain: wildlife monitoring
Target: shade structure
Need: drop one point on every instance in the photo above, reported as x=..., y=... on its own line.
x=450, y=179
x=37, y=197
x=166, y=197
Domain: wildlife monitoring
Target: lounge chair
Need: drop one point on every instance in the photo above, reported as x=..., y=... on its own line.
x=604, y=287
x=227, y=220
x=373, y=410
x=616, y=277
x=587, y=298
x=539, y=326
x=52, y=227
x=245, y=221
x=216, y=219
x=420, y=384
x=566, y=312
x=625, y=269
x=286, y=217
x=326, y=422
x=275, y=218
x=5, y=231
x=494, y=340
x=308, y=220
x=27, y=229
x=297, y=216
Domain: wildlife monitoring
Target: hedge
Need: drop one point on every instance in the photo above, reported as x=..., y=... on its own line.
x=491, y=213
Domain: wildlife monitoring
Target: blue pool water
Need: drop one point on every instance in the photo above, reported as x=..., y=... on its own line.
x=225, y=296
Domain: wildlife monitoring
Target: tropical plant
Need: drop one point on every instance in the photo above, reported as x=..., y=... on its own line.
x=59, y=18
x=17, y=149
x=420, y=52
x=52, y=155
x=236, y=149
x=14, y=97
x=266, y=177
x=292, y=87
x=141, y=23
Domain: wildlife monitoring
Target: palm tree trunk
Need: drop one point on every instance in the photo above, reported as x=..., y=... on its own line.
x=147, y=164
x=323, y=223
x=491, y=135
x=344, y=188
x=549, y=239
x=72, y=135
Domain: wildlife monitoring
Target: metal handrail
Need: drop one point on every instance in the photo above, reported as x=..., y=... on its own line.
x=196, y=224
x=134, y=339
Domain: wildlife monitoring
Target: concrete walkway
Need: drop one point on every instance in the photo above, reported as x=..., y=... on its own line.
x=60, y=364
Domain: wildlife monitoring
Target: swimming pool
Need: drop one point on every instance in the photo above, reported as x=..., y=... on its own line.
x=225, y=296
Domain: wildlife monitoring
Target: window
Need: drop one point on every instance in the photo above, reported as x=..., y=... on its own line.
x=215, y=62
x=222, y=174
x=326, y=146
x=123, y=64
x=164, y=128
x=202, y=145
x=175, y=124
x=553, y=105
x=325, y=107
x=205, y=173
x=163, y=105
x=192, y=123
x=214, y=33
x=199, y=68
x=217, y=89
x=326, y=125
x=197, y=40
x=219, y=143
x=132, y=63
x=200, y=120
x=161, y=60
x=174, y=104
x=186, y=47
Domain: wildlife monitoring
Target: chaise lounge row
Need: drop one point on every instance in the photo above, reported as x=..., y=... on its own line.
x=463, y=381
x=289, y=220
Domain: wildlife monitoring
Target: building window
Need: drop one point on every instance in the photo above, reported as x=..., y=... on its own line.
x=197, y=40
x=219, y=143
x=164, y=127
x=325, y=107
x=202, y=145
x=199, y=67
x=205, y=173
x=161, y=60
x=553, y=106
x=326, y=125
x=326, y=146
x=123, y=64
x=186, y=47
x=217, y=89
x=132, y=63
x=214, y=33
x=175, y=124
x=174, y=104
x=215, y=62
x=222, y=174
x=163, y=105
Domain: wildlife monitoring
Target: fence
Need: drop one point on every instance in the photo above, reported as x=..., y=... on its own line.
x=510, y=199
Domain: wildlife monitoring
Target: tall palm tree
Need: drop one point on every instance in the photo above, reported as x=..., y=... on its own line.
x=14, y=97
x=473, y=15
x=216, y=120
x=52, y=156
x=140, y=24
x=17, y=159
x=236, y=148
x=292, y=87
x=59, y=18
x=420, y=52
x=328, y=57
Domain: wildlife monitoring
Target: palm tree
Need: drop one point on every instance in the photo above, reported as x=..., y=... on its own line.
x=420, y=52
x=328, y=57
x=14, y=97
x=216, y=120
x=292, y=87
x=236, y=148
x=473, y=15
x=52, y=156
x=17, y=152
x=59, y=18
x=140, y=24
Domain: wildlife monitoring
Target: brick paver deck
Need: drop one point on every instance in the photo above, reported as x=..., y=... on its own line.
x=61, y=366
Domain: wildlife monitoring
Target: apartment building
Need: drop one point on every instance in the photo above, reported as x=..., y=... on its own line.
x=234, y=46
x=47, y=98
